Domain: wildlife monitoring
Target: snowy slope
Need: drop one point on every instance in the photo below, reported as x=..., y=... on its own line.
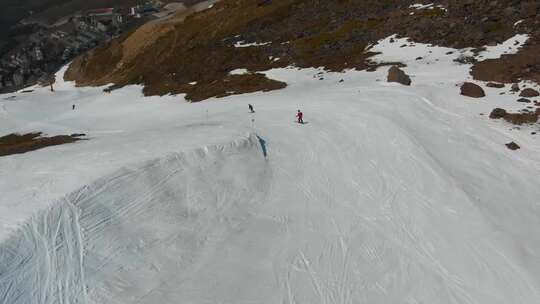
x=389, y=194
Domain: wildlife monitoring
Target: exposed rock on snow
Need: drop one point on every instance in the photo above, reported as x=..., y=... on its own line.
x=513, y=146
x=472, y=90
x=528, y=92
x=516, y=118
x=497, y=113
x=395, y=74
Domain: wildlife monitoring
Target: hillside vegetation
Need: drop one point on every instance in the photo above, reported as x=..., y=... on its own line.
x=195, y=56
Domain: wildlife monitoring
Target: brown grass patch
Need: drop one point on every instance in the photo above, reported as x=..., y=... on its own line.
x=22, y=143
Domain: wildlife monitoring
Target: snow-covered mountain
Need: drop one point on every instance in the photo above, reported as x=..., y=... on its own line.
x=389, y=193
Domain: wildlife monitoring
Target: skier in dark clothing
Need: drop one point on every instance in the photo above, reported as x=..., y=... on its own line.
x=251, y=108
x=300, y=117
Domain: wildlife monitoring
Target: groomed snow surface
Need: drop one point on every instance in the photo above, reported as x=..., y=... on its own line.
x=388, y=194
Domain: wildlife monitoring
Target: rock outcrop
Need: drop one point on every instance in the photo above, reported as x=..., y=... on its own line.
x=470, y=89
x=396, y=74
x=529, y=93
x=513, y=146
x=516, y=118
x=498, y=113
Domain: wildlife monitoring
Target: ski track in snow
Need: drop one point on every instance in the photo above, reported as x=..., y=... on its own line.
x=389, y=194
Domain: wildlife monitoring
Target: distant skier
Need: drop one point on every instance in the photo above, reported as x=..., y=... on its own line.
x=300, y=117
x=73, y=107
x=251, y=108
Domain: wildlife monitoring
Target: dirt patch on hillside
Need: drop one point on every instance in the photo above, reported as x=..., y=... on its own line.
x=18, y=144
x=525, y=65
x=229, y=85
x=190, y=51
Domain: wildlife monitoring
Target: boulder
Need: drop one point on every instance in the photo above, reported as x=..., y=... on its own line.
x=515, y=87
x=529, y=93
x=524, y=100
x=395, y=74
x=517, y=118
x=472, y=90
x=513, y=146
x=497, y=113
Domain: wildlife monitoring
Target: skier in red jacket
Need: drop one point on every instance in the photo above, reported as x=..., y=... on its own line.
x=300, y=117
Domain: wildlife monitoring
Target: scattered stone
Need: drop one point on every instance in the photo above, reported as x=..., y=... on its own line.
x=513, y=146
x=395, y=74
x=495, y=85
x=524, y=100
x=498, y=113
x=419, y=58
x=342, y=81
x=465, y=59
x=472, y=90
x=529, y=93
x=515, y=87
